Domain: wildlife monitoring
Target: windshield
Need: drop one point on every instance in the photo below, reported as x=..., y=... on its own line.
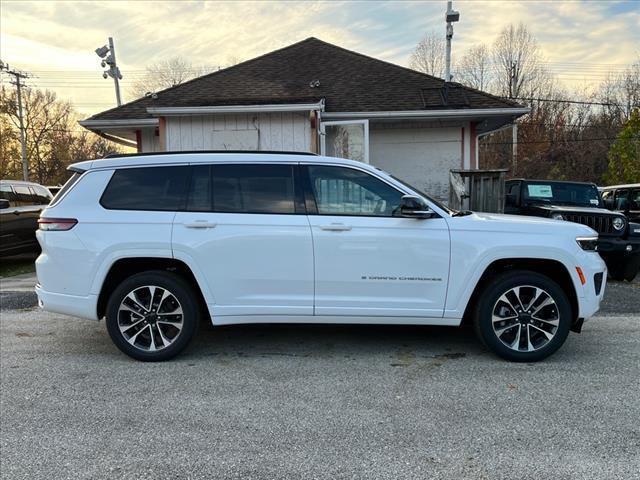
x=572, y=194
x=422, y=194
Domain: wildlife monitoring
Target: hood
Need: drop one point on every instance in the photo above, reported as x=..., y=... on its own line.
x=572, y=209
x=496, y=222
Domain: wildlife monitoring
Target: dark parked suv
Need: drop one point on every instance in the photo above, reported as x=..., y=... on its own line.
x=20, y=207
x=623, y=198
x=618, y=239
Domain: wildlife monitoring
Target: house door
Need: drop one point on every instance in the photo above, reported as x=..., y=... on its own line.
x=345, y=139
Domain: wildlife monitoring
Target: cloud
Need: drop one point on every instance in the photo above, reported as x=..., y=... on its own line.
x=61, y=36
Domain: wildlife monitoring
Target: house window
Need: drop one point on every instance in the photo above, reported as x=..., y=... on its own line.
x=346, y=139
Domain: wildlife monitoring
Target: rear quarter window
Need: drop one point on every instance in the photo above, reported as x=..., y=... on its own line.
x=147, y=188
x=66, y=187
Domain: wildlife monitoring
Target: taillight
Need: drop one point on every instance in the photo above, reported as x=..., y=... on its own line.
x=56, y=224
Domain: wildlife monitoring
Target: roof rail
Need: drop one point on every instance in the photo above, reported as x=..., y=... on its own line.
x=148, y=154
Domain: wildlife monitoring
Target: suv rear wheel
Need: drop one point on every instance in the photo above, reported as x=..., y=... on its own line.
x=523, y=316
x=152, y=316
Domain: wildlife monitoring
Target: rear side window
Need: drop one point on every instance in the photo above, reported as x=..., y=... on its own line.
x=41, y=195
x=23, y=194
x=253, y=188
x=243, y=188
x=6, y=192
x=148, y=188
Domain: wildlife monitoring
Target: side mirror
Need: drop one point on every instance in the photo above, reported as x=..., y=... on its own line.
x=414, y=207
x=511, y=200
x=4, y=203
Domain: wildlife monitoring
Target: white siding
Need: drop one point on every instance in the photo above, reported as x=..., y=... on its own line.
x=275, y=131
x=421, y=155
x=150, y=141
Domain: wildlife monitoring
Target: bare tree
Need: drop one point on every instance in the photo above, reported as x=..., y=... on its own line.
x=429, y=55
x=166, y=74
x=53, y=137
x=474, y=68
x=621, y=93
x=517, y=58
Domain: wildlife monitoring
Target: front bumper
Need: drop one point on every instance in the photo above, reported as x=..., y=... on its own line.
x=619, y=245
x=595, y=273
x=74, y=305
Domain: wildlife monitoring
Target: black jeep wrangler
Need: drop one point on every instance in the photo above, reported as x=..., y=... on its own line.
x=618, y=239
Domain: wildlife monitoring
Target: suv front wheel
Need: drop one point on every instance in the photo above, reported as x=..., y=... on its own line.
x=152, y=316
x=523, y=316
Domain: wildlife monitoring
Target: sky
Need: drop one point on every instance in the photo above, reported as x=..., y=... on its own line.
x=582, y=41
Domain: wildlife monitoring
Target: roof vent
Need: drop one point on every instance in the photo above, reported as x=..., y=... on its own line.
x=448, y=95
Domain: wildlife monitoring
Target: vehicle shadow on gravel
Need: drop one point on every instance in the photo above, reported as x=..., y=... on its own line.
x=292, y=340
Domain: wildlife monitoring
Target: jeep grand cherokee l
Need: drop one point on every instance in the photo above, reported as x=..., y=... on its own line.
x=152, y=242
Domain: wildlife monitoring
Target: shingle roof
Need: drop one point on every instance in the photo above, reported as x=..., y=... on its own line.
x=349, y=82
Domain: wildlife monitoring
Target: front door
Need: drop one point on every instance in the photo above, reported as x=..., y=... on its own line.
x=246, y=231
x=368, y=260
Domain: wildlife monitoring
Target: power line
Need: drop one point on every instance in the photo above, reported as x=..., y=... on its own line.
x=558, y=141
x=577, y=102
x=18, y=75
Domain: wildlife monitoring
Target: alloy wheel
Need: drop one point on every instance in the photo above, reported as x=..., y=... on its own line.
x=525, y=318
x=150, y=318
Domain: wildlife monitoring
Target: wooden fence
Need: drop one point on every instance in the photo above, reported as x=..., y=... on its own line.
x=477, y=190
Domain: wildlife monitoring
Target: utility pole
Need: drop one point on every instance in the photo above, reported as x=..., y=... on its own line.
x=513, y=82
x=23, y=140
x=108, y=55
x=450, y=16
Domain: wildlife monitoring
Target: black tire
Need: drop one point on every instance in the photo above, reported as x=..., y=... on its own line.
x=616, y=271
x=488, y=300
x=190, y=317
x=630, y=275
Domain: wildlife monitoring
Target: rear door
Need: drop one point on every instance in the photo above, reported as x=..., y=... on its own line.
x=245, y=229
x=26, y=213
x=9, y=220
x=368, y=260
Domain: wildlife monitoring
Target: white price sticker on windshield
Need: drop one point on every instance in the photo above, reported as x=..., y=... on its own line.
x=594, y=201
x=541, y=191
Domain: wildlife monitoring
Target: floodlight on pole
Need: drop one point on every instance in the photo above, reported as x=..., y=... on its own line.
x=450, y=17
x=113, y=71
x=102, y=51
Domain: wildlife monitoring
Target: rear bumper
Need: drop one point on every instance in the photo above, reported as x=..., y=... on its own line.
x=74, y=305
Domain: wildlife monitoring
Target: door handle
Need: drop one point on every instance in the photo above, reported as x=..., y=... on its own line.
x=200, y=224
x=336, y=227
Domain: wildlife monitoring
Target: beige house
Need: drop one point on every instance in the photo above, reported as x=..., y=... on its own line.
x=316, y=97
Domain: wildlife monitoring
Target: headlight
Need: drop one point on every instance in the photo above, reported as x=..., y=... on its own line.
x=618, y=223
x=588, y=243
x=557, y=216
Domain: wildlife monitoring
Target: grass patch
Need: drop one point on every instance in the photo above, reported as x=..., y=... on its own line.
x=11, y=266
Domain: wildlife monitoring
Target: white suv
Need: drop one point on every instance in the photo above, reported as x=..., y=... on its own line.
x=154, y=242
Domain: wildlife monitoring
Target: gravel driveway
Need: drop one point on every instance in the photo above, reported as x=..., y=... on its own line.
x=318, y=402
